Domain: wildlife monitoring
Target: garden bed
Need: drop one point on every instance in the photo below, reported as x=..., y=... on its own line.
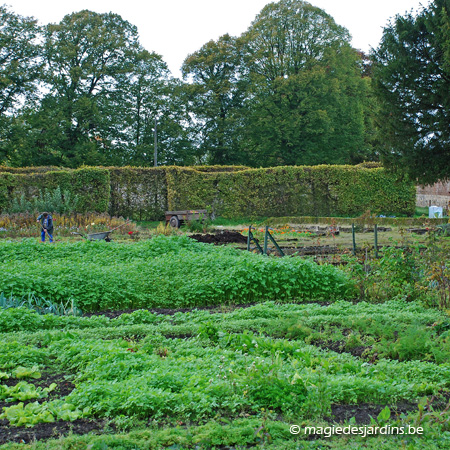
x=144, y=368
x=193, y=362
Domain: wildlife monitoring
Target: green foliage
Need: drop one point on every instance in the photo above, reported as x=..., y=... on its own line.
x=135, y=372
x=209, y=331
x=306, y=104
x=85, y=52
x=200, y=225
x=23, y=391
x=406, y=270
x=40, y=305
x=146, y=94
x=146, y=193
x=216, y=97
x=443, y=230
x=34, y=413
x=287, y=91
x=411, y=72
x=138, y=193
x=86, y=190
x=162, y=272
x=103, y=92
x=290, y=90
x=55, y=201
x=26, y=372
x=20, y=68
x=281, y=191
x=228, y=373
x=8, y=182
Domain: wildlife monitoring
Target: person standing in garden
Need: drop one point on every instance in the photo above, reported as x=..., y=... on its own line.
x=46, y=222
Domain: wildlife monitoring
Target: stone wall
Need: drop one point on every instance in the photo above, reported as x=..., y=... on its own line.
x=433, y=195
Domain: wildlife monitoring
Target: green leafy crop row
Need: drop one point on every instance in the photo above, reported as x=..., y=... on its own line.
x=162, y=272
x=146, y=370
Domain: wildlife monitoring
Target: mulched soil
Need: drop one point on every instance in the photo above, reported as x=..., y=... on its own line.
x=213, y=309
x=339, y=347
x=363, y=411
x=221, y=237
x=178, y=336
x=48, y=430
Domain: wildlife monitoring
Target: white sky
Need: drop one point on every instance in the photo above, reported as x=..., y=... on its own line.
x=176, y=28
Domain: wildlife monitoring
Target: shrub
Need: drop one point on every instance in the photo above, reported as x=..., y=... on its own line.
x=62, y=202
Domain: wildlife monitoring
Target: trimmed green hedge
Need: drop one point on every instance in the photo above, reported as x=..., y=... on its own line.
x=32, y=169
x=287, y=191
x=220, y=168
x=139, y=193
x=90, y=184
x=145, y=193
x=8, y=183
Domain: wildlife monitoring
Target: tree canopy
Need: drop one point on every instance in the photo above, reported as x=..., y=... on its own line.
x=290, y=90
x=307, y=93
x=412, y=79
x=20, y=67
x=216, y=95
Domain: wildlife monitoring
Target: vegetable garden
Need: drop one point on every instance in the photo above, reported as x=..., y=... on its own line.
x=184, y=345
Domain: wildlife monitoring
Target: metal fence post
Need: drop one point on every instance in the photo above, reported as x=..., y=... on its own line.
x=376, y=240
x=265, y=240
x=353, y=239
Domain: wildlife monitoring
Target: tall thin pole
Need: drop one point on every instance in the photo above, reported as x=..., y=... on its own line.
x=156, y=145
x=376, y=240
x=353, y=239
x=266, y=239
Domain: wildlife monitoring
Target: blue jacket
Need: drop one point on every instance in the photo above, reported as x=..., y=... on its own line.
x=46, y=222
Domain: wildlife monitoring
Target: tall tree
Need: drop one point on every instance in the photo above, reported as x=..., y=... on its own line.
x=216, y=93
x=305, y=104
x=85, y=53
x=412, y=80
x=20, y=67
x=146, y=95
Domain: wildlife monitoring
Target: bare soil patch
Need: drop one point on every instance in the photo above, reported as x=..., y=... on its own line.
x=48, y=430
x=221, y=237
x=213, y=309
x=363, y=411
x=339, y=347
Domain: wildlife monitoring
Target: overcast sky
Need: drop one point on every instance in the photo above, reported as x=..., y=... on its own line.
x=176, y=28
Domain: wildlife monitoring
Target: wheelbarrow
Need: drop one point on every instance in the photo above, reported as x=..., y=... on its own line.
x=99, y=236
